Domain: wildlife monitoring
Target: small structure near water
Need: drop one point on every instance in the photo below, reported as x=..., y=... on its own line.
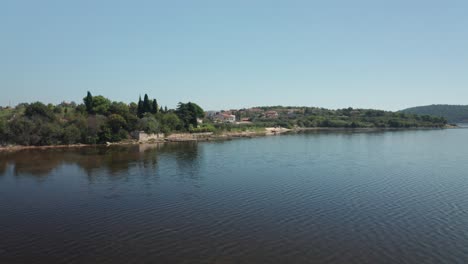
x=143, y=137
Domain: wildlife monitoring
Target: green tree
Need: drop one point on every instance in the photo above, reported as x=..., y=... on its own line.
x=154, y=107
x=116, y=123
x=94, y=125
x=146, y=104
x=50, y=133
x=149, y=124
x=132, y=121
x=40, y=110
x=140, y=109
x=188, y=114
x=88, y=101
x=71, y=134
x=22, y=131
x=171, y=122
x=105, y=135
x=133, y=108
x=119, y=108
x=96, y=104
x=101, y=105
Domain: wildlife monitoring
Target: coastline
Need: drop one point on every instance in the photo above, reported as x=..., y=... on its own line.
x=226, y=135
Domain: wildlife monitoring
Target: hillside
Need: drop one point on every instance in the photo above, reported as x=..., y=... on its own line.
x=453, y=113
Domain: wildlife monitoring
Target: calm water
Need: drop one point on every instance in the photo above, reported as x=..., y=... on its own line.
x=393, y=197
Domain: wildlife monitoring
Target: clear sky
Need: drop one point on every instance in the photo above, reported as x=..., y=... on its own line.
x=230, y=54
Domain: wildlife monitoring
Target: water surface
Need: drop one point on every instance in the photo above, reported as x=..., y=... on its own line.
x=391, y=197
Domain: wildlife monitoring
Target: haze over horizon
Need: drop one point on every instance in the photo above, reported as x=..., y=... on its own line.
x=366, y=54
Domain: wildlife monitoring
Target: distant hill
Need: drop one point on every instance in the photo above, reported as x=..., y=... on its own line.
x=453, y=113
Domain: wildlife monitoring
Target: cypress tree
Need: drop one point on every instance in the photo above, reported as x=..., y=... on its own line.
x=140, y=107
x=154, y=108
x=146, y=104
x=88, y=101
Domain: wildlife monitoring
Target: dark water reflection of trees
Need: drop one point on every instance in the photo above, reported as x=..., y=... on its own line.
x=114, y=160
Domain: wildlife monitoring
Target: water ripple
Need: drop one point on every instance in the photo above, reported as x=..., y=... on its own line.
x=320, y=198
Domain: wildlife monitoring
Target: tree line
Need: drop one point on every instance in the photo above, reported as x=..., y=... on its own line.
x=96, y=120
x=340, y=118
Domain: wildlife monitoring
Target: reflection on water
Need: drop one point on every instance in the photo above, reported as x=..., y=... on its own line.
x=392, y=197
x=114, y=160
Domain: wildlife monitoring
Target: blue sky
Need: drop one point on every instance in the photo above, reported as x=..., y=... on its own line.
x=232, y=54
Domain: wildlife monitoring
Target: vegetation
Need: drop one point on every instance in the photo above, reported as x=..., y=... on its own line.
x=453, y=113
x=100, y=120
x=189, y=114
x=96, y=120
x=341, y=118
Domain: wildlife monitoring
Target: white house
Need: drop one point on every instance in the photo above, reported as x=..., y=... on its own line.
x=224, y=118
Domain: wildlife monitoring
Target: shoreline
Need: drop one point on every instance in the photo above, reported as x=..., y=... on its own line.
x=188, y=137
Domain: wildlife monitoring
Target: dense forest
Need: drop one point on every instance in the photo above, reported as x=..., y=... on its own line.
x=98, y=120
x=453, y=113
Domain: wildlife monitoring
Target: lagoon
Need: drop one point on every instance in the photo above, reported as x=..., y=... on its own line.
x=319, y=197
